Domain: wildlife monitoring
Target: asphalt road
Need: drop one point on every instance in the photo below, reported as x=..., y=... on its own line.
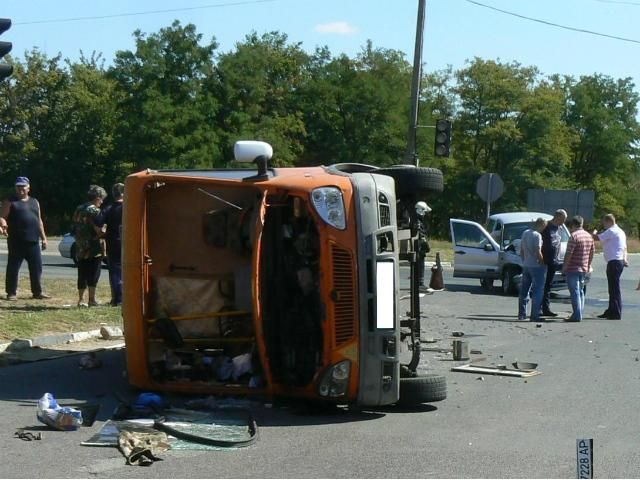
x=488, y=427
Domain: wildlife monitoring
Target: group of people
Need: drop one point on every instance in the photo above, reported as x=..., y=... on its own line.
x=97, y=233
x=540, y=250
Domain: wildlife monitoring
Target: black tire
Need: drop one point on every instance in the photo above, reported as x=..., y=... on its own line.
x=416, y=181
x=74, y=254
x=508, y=285
x=423, y=389
x=486, y=283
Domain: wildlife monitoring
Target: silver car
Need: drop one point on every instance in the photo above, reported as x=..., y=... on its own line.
x=67, y=248
x=494, y=253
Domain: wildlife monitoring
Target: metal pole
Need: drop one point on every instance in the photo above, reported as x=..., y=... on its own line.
x=411, y=156
x=489, y=196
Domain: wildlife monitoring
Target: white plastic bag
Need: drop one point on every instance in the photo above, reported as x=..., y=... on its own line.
x=55, y=416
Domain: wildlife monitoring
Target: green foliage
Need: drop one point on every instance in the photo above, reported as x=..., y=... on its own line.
x=356, y=110
x=167, y=105
x=257, y=84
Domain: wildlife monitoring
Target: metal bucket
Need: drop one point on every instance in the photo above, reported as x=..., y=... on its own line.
x=460, y=350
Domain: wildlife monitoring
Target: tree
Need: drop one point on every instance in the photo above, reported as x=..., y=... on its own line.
x=256, y=85
x=168, y=111
x=34, y=119
x=356, y=110
x=603, y=113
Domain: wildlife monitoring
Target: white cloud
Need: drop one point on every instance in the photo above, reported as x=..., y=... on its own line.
x=339, y=28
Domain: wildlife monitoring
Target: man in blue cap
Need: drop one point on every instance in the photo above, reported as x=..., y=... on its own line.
x=21, y=222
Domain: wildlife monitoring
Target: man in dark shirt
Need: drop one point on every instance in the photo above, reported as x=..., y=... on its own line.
x=21, y=221
x=419, y=229
x=111, y=217
x=551, y=241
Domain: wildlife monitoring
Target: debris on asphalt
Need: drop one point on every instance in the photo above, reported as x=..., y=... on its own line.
x=476, y=352
x=140, y=448
x=430, y=340
x=457, y=334
x=525, y=366
x=27, y=436
x=108, y=332
x=89, y=361
x=481, y=379
x=494, y=370
x=57, y=417
x=460, y=350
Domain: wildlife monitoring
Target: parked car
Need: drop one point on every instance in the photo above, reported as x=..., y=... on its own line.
x=67, y=248
x=494, y=253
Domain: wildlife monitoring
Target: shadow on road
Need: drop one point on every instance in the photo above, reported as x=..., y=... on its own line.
x=29, y=308
x=493, y=318
x=476, y=290
x=23, y=384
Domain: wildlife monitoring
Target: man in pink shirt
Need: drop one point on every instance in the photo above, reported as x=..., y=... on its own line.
x=577, y=263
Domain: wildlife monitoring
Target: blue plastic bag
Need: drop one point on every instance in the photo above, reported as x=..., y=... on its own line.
x=55, y=416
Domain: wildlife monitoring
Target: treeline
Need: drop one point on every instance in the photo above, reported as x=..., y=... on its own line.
x=176, y=101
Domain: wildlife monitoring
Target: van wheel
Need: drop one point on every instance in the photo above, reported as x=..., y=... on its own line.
x=412, y=180
x=486, y=283
x=508, y=285
x=423, y=389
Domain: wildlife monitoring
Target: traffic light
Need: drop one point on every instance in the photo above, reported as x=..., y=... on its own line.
x=443, y=138
x=6, y=69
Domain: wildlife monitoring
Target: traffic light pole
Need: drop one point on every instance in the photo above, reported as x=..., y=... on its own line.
x=5, y=47
x=411, y=155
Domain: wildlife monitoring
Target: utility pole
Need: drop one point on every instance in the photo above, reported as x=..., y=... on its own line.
x=411, y=155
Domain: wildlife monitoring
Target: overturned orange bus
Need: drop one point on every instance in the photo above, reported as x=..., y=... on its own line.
x=270, y=281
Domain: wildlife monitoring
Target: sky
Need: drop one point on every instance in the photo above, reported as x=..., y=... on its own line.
x=455, y=30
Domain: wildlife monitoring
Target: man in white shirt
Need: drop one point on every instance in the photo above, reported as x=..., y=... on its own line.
x=614, y=248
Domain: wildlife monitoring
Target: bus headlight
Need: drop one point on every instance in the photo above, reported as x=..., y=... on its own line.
x=329, y=204
x=335, y=380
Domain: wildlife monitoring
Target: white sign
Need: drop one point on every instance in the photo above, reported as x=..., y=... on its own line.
x=584, y=453
x=385, y=294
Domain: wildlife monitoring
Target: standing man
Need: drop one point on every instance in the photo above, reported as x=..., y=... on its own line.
x=577, y=263
x=551, y=241
x=614, y=248
x=20, y=220
x=111, y=217
x=533, y=271
x=419, y=228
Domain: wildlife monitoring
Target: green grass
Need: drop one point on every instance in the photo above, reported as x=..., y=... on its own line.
x=445, y=249
x=27, y=318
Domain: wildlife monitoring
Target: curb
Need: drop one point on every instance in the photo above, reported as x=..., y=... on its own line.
x=48, y=340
